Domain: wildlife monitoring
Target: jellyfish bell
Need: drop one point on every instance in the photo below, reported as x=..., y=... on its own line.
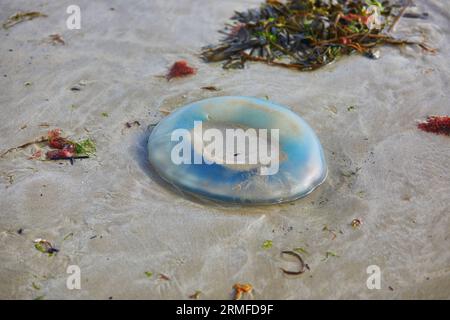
x=239, y=150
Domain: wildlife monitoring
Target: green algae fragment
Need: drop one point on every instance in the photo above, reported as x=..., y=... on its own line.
x=35, y=286
x=68, y=236
x=85, y=147
x=20, y=17
x=267, y=244
x=301, y=250
x=330, y=254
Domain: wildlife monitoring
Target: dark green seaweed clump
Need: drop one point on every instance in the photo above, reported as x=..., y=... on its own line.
x=307, y=34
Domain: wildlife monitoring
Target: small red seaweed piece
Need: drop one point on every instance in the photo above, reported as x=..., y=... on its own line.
x=66, y=148
x=59, y=143
x=36, y=155
x=180, y=69
x=55, y=133
x=436, y=124
x=66, y=153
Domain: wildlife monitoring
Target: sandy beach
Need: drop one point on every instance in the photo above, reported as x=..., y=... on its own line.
x=115, y=219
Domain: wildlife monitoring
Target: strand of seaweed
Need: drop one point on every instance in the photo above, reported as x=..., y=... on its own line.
x=306, y=35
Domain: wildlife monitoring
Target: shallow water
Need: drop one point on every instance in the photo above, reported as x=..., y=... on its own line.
x=382, y=170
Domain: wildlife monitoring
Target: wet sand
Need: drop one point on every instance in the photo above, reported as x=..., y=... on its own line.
x=111, y=215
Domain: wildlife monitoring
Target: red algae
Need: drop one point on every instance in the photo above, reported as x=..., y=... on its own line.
x=180, y=69
x=436, y=124
x=66, y=148
x=60, y=154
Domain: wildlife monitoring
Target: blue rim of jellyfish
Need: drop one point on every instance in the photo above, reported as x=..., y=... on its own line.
x=288, y=144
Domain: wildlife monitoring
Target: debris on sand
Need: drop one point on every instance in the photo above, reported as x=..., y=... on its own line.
x=303, y=266
x=37, y=154
x=239, y=289
x=306, y=35
x=56, y=39
x=331, y=231
x=67, y=149
x=21, y=17
x=23, y=146
x=79, y=85
x=436, y=124
x=301, y=250
x=180, y=69
x=131, y=124
x=44, y=246
x=69, y=235
x=35, y=286
x=330, y=254
x=210, y=88
x=267, y=244
x=195, y=295
x=356, y=223
x=164, y=277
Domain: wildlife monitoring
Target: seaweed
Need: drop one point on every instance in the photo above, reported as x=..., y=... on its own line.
x=267, y=244
x=303, y=265
x=67, y=149
x=69, y=235
x=35, y=286
x=180, y=69
x=210, y=88
x=307, y=34
x=195, y=295
x=23, y=146
x=85, y=147
x=301, y=250
x=330, y=254
x=20, y=17
x=45, y=246
x=436, y=124
x=331, y=231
